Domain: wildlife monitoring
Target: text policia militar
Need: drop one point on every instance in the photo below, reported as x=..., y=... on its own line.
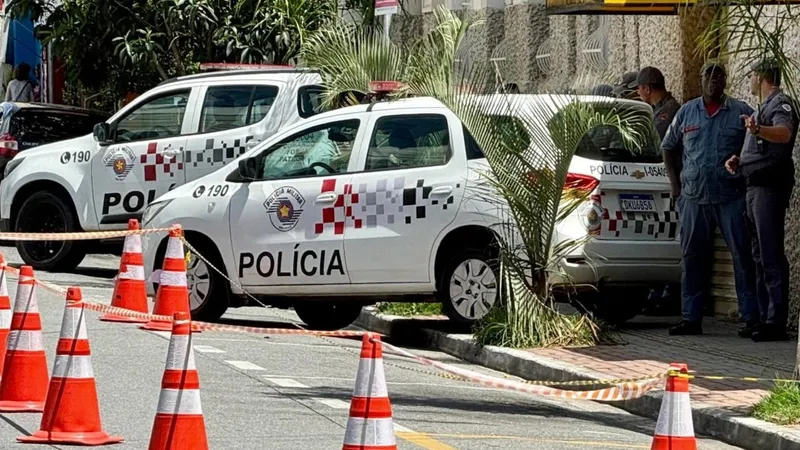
x=297, y=263
x=621, y=169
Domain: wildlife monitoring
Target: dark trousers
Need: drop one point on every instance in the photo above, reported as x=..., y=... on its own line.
x=698, y=224
x=766, y=211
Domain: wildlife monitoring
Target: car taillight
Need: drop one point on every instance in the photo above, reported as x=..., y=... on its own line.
x=8, y=146
x=584, y=183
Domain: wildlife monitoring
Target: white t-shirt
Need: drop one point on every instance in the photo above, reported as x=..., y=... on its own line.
x=19, y=91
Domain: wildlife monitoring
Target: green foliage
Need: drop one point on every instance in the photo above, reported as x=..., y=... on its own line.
x=410, y=309
x=781, y=405
x=126, y=46
x=529, y=142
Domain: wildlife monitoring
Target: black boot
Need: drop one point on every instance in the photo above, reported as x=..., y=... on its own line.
x=746, y=331
x=686, y=328
x=770, y=333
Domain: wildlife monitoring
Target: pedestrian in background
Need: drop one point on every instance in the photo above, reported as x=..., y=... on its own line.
x=652, y=89
x=767, y=165
x=623, y=89
x=20, y=89
x=705, y=133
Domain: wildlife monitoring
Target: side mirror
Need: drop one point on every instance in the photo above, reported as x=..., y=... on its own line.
x=248, y=168
x=102, y=133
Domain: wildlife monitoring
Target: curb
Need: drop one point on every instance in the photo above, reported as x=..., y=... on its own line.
x=745, y=432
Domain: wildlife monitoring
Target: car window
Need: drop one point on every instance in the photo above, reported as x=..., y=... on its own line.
x=321, y=150
x=227, y=107
x=417, y=140
x=474, y=150
x=158, y=118
x=32, y=127
x=309, y=101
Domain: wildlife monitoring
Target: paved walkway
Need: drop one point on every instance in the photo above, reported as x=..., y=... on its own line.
x=649, y=349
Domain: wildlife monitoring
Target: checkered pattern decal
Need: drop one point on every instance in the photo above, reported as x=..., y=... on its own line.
x=217, y=152
x=661, y=226
x=381, y=202
x=156, y=166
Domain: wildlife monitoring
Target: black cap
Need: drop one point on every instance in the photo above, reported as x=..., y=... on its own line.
x=623, y=85
x=648, y=75
x=713, y=65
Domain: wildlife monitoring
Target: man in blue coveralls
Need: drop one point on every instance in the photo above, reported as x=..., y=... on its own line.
x=705, y=133
x=767, y=166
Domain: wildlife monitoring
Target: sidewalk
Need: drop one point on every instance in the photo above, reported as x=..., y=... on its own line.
x=720, y=407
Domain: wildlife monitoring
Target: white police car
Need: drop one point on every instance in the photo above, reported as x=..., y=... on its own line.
x=372, y=202
x=177, y=132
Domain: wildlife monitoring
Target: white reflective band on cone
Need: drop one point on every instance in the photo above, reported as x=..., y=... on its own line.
x=26, y=299
x=133, y=244
x=73, y=366
x=170, y=278
x=174, y=249
x=73, y=326
x=369, y=432
x=371, y=380
x=25, y=340
x=675, y=417
x=5, y=318
x=3, y=283
x=180, y=355
x=132, y=273
x=174, y=401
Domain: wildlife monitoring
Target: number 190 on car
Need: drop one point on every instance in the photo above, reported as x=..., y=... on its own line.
x=637, y=202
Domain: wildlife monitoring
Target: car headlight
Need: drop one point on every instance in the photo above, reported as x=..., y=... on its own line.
x=12, y=165
x=152, y=211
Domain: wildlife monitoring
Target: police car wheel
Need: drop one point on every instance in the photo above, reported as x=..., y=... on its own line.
x=209, y=292
x=469, y=286
x=46, y=212
x=327, y=316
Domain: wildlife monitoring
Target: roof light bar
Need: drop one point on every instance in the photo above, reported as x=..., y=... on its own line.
x=385, y=86
x=236, y=66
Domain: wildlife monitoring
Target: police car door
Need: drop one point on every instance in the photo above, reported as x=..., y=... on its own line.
x=145, y=159
x=287, y=226
x=409, y=188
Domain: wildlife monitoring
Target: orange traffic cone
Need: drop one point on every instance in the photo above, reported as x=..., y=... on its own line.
x=179, y=420
x=71, y=412
x=370, y=424
x=23, y=387
x=675, y=430
x=130, y=291
x=172, y=295
x=5, y=312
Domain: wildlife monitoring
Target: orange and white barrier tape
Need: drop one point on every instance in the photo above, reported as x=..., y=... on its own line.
x=76, y=236
x=624, y=391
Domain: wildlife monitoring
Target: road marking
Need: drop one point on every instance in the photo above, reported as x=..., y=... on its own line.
x=576, y=443
x=422, y=439
x=245, y=365
x=286, y=382
x=394, y=383
x=332, y=402
x=207, y=349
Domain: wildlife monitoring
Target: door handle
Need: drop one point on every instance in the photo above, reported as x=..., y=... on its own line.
x=252, y=143
x=170, y=153
x=442, y=190
x=328, y=197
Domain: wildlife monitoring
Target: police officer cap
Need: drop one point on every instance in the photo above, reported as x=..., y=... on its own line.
x=713, y=65
x=648, y=76
x=765, y=65
x=623, y=85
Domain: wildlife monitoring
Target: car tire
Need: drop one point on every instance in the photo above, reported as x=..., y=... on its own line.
x=467, y=304
x=327, y=316
x=209, y=292
x=47, y=212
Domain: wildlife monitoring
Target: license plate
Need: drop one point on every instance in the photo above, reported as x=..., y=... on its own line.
x=637, y=203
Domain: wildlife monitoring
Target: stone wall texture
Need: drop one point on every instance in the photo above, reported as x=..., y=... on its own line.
x=514, y=31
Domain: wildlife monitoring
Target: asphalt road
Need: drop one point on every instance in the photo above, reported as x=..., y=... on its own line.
x=293, y=392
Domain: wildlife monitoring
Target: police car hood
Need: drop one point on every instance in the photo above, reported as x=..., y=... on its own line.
x=82, y=143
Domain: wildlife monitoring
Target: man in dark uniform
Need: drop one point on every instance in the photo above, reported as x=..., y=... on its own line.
x=705, y=133
x=767, y=165
x=652, y=89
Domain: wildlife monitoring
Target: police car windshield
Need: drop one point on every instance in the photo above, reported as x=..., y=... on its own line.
x=604, y=143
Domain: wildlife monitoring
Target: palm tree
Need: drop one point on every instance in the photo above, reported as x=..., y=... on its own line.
x=528, y=141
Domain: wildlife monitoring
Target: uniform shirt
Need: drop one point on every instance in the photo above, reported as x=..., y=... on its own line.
x=707, y=142
x=663, y=113
x=760, y=154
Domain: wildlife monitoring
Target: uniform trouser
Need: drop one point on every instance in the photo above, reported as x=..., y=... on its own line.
x=766, y=211
x=698, y=224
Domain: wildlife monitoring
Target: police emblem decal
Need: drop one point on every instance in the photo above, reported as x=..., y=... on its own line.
x=284, y=207
x=120, y=160
x=638, y=174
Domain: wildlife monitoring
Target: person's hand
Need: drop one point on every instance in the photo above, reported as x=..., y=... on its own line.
x=750, y=122
x=732, y=164
x=676, y=192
